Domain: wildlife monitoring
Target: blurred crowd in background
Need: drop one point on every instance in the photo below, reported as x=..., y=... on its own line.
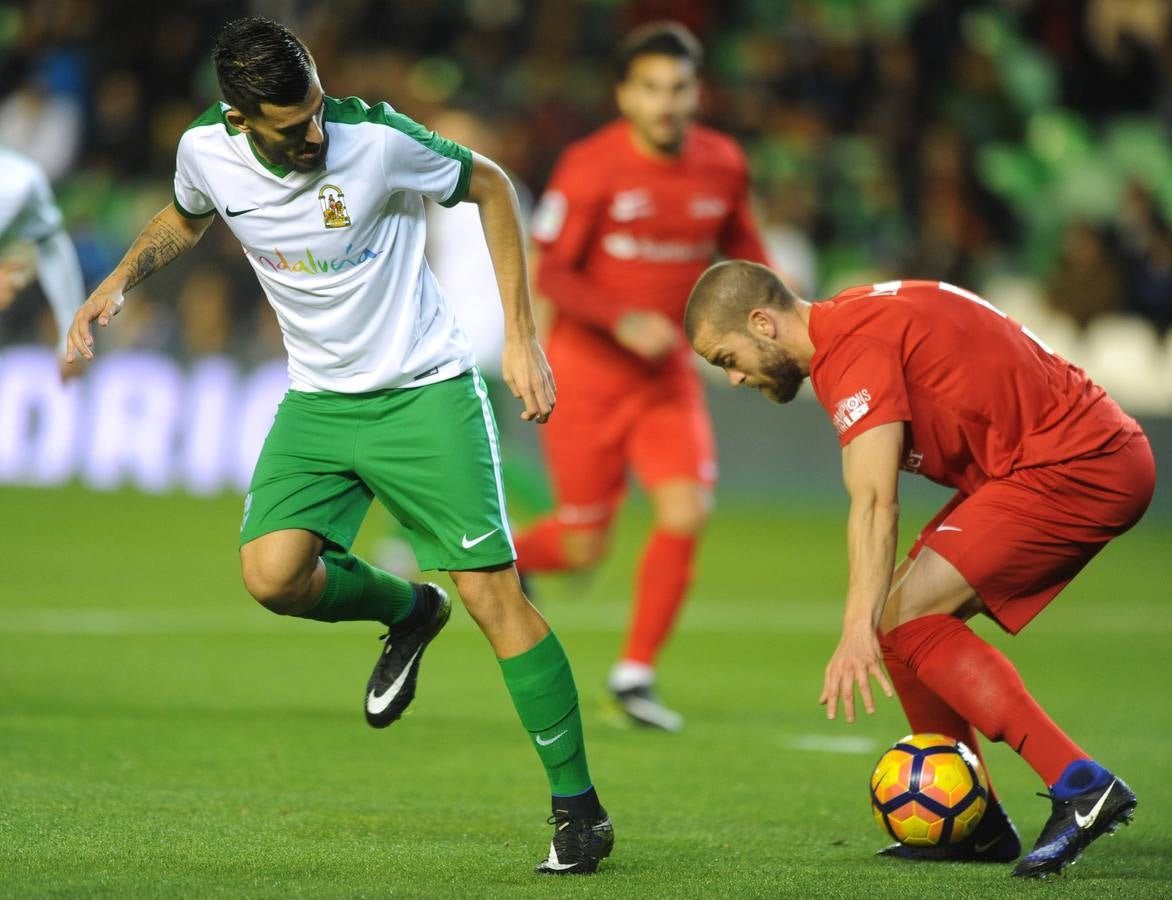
x=1022, y=148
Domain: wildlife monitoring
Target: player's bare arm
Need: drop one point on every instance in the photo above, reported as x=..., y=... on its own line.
x=523, y=364
x=870, y=466
x=543, y=307
x=165, y=237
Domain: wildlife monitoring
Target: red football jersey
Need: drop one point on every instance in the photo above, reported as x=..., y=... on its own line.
x=622, y=231
x=982, y=396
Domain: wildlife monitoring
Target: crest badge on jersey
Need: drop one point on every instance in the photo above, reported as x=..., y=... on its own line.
x=333, y=206
x=850, y=409
x=627, y=206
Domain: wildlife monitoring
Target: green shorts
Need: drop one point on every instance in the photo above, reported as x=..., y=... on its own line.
x=431, y=455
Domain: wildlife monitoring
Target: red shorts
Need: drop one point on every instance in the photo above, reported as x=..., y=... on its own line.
x=1019, y=540
x=658, y=427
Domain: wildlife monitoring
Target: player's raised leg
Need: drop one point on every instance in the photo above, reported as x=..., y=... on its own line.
x=303, y=510
x=291, y=573
x=541, y=684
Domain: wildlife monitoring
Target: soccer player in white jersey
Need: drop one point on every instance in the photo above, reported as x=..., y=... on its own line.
x=326, y=197
x=29, y=216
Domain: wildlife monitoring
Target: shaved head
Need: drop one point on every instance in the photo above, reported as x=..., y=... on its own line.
x=743, y=319
x=727, y=292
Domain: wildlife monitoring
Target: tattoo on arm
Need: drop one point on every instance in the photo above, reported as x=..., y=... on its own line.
x=159, y=247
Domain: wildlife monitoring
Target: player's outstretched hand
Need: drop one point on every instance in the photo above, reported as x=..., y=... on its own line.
x=647, y=333
x=528, y=375
x=856, y=661
x=103, y=304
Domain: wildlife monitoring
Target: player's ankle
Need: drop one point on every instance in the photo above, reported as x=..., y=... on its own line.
x=628, y=673
x=1080, y=776
x=584, y=806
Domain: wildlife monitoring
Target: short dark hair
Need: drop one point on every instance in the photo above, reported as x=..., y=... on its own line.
x=259, y=61
x=665, y=38
x=728, y=291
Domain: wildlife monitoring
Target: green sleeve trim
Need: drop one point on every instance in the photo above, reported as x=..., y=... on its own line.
x=187, y=214
x=353, y=111
x=460, y=194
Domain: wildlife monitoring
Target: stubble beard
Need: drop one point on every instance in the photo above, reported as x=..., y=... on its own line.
x=781, y=377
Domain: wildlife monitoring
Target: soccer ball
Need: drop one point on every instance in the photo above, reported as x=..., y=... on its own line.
x=928, y=789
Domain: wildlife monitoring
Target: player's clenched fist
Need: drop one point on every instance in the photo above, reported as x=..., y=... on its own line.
x=646, y=333
x=103, y=305
x=14, y=275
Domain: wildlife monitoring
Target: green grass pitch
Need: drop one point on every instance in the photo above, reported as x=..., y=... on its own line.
x=161, y=735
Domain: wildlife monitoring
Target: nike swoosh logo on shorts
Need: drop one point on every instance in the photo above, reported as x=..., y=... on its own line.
x=233, y=213
x=1089, y=819
x=469, y=544
x=552, y=740
x=949, y=528
x=377, y=704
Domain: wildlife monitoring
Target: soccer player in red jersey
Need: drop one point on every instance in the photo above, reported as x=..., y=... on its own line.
x=632, y=215
x=929, y=378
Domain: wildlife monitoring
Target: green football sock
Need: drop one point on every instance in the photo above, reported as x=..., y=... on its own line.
x=542, y=687
x=357, y=591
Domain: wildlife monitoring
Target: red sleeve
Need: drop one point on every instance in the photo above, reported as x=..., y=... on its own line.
x=563, y=226
x=739, y=238
x=860, y=384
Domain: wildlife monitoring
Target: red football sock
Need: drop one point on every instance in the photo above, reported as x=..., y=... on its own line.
x=927, y=713
x=664, y=575
x=539, y=549
x=979, y=683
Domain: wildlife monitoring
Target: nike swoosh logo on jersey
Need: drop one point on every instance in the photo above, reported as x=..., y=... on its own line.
x=949, y=528
x=377, y=704
x=469, y=544
x=630, y=205
x=1088, y=820
x=552, y=740
x=233, y=213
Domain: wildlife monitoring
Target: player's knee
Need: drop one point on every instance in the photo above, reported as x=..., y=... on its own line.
x=585, y=547
x=277, y=588
x=683, y=516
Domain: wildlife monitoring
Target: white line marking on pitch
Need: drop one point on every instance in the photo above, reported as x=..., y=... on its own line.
x=822, y=743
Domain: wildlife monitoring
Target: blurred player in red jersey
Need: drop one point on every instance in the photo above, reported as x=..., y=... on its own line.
x=632, y=215
x=930, y=378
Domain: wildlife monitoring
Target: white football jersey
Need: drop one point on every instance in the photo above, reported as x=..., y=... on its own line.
x=339, y=251
x=28, y=212
x=27, y=209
